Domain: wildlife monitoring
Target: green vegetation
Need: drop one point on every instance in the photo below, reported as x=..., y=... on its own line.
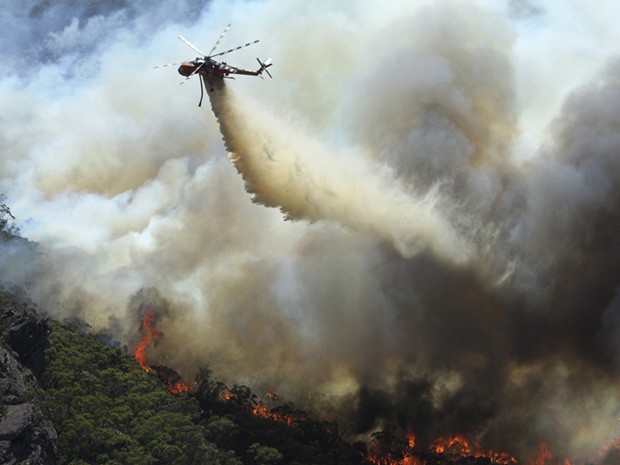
x=108, y=411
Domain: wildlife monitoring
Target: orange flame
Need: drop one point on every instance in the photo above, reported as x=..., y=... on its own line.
x=410, y=437
x=460, y=446
x=545, y=457
x=177, y=388
x=454, y=446
x=150, y=332
x=263, y=411
x=379, y=454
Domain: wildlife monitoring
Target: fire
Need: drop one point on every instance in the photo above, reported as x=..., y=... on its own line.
x=382, y=452
x=177, y=388
x=545, y=457
x=150, y=333
x=410, y=437
x=264, y=411
x=261, y=411
x=454, y=445
x=386, y=450
x=460, y=446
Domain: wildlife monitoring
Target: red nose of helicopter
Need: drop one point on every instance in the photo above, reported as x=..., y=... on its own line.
x=186, y=68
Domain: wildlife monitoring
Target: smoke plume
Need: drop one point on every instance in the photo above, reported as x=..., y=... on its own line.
x=449, y=172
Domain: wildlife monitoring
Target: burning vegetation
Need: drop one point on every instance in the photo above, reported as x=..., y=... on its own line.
x=150, y=335
x=383, y=448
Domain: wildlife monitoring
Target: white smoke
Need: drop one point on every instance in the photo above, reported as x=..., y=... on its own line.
x=452, y=207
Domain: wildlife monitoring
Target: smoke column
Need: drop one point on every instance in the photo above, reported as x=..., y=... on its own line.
x=450, y=175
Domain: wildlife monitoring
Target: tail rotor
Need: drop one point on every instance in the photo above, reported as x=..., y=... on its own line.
x=264, y=66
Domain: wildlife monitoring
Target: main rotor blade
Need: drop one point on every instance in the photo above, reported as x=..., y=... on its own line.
x=166, y=65
x=233, y=49
x=187, y=42
x=219, y=39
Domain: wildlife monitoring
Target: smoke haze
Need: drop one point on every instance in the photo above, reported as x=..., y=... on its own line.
x=414, y=223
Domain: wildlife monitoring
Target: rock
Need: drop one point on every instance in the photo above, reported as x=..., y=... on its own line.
x=23, y=439
x=28, y=338
x=17, y=419
x=26, y=435
x=12, y=382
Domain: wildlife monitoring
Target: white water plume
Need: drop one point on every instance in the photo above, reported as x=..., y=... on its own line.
x=286, y=169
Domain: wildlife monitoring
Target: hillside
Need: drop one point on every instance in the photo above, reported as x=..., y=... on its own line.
x=88, y=403
x=68, y=398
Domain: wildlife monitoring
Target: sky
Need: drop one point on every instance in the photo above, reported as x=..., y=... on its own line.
x=414, y=222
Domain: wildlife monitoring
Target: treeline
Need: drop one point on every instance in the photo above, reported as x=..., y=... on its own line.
x=107, y=411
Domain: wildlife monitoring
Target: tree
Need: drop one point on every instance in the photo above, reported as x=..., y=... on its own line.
x=264, y=455
x=7, y=229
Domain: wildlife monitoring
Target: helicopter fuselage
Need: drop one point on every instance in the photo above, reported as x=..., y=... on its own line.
x=210, y=68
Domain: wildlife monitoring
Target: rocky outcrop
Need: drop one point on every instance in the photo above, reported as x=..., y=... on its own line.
x=28, y=338
x=26, y=434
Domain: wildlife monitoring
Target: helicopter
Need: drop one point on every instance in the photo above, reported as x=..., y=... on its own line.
x=210, y=70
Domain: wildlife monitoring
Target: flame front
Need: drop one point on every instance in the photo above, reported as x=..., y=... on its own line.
x=402, y=452
x=460, y=446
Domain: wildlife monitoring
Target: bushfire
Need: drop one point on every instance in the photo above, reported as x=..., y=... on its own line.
x=150, y=335
x=388, y=450
x=384, y=449
x=261, y=409
x=264, y=411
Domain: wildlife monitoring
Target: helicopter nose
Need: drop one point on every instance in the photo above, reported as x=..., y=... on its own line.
x=186, y=68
